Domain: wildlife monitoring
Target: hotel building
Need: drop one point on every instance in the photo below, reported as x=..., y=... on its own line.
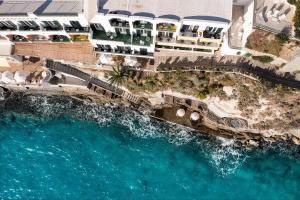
x=139, y=27
x=121, y=27
x=43, y=21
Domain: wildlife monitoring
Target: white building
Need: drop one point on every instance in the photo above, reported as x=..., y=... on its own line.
x=139, y=26
x=45, y=20
x=122, y=27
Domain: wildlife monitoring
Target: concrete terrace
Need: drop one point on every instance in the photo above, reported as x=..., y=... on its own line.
x=176, y=9
x=274, y=15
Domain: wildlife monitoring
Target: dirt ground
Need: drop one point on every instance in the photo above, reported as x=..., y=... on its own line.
x=266, y=42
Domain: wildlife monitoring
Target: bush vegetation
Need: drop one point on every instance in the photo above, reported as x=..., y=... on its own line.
x=191, y=83
x=282, y=38
x=263, y=59
x=296, y=17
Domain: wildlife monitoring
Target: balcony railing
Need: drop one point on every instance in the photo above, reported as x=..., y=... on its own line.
x=77, y=30
x=186, y=43
x=7, y=26
x=125, y=52
x=52, y=26
x=28, y=26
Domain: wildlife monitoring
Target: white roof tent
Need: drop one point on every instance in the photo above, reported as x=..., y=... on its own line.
x=41, y=7
x=212, y=10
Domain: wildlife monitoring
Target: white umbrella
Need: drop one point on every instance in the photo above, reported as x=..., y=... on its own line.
x=7, y=77
x=195, y=116
x=20, y=76
x=106, y=60
x=44, y=74
x=130, y=61
x=180, y=112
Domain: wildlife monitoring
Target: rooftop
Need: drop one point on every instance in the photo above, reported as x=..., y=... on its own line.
x=40, y=7
x=217, y=10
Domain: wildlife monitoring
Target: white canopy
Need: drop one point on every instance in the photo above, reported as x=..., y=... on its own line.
x=195, y=116
x=20, y=76
x=180, y=112
x=7, y=77
x=44, y=74
x=58, y=75
x=106, y=59
x=130, y=61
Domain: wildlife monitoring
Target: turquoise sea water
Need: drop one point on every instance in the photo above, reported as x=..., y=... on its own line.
x=119, y=154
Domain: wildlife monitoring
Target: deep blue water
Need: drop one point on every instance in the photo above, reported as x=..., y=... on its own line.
x=123, y=155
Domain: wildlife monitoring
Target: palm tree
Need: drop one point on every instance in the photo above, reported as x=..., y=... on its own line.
x=118, y=76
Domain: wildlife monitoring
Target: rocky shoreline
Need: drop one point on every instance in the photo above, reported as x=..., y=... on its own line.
x=18, y=99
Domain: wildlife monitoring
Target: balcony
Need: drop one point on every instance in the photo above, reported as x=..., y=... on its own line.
x=190, y=36
x=79, y=38
x=102, y=35
x=213, y=33
x=17, y=38
x=37, y=38
x=124, y=51
x=119, y=23
x=28, y=26
x=75, y=27
x=59, y=38
x=174, y=43
x=51, y=26
x=166, y=27
x=142, y=40
x=143, y=25
x=7, y=26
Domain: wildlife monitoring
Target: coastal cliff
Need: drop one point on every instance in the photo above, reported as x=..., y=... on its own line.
x=236, y=127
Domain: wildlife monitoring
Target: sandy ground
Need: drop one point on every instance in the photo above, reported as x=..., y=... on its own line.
x=223, y=108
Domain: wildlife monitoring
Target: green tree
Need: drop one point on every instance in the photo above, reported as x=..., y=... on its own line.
x=282, y=38
x=117, y=76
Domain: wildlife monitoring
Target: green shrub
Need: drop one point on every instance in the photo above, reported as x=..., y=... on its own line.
x=282, y=38
x=201, y=95
x=293, y=2
x=248, y=54
x=263, y=59
x=296, y=17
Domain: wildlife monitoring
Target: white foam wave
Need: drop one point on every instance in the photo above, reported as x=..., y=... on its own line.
x=226, y=159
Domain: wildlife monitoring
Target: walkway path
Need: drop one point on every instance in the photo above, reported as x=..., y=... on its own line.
x=68, y=69
x=234, y=64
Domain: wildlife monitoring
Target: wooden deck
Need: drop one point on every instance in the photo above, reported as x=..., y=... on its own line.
x=75, y=52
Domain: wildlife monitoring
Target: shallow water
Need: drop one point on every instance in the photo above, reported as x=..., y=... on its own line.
x=115, y=153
